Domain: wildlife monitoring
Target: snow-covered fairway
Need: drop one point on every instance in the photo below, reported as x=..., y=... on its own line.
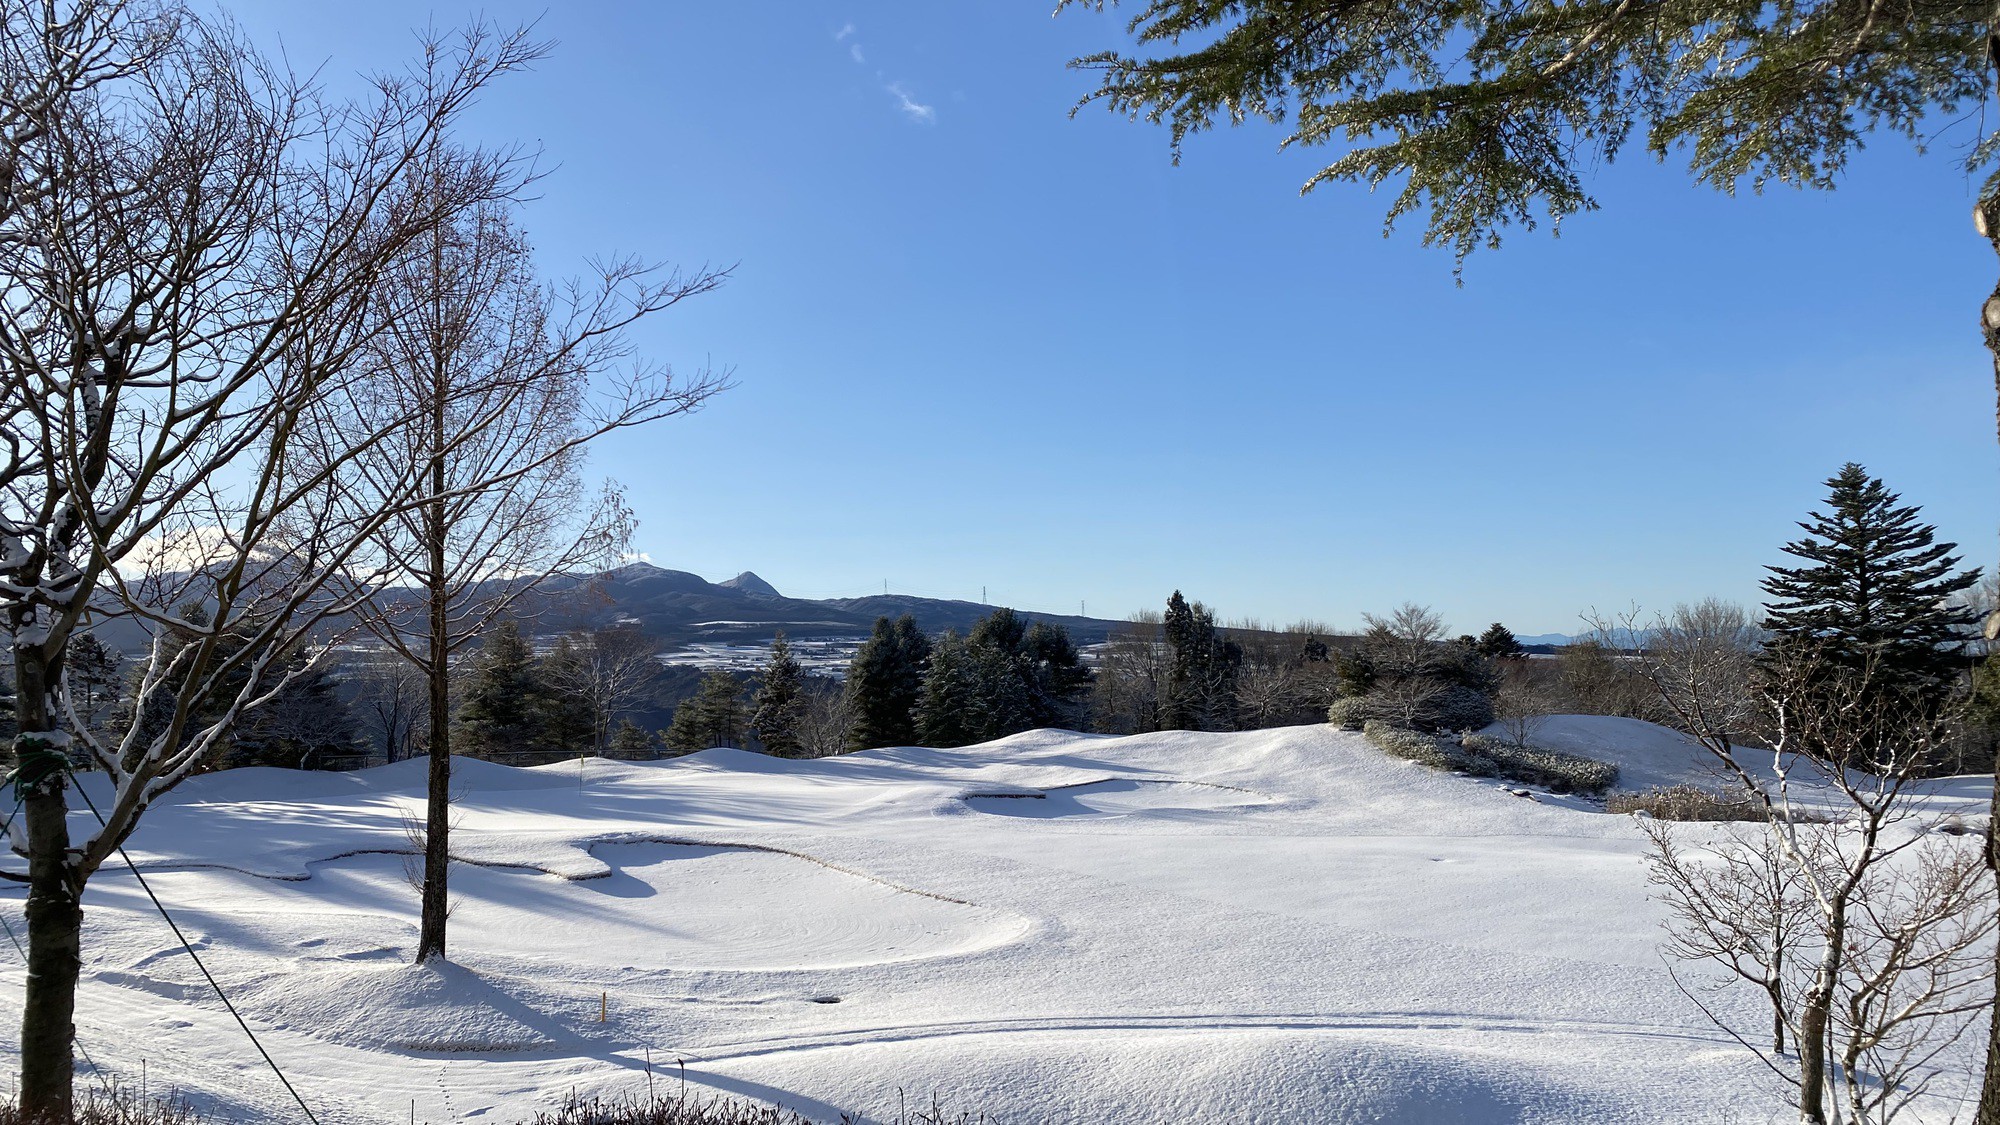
x=1276, y=926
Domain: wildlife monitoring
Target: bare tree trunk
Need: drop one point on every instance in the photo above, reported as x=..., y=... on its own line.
x=437, y=823
x=1989, y=1089
x=437, y=831
x=1774, y=980
x=1812, y=1046
x=1774, y=991
x=55, y=913
x=1986, y=219
x=1814, y=1020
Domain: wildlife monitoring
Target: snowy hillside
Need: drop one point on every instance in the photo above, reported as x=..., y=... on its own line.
x=1648, y=755
x=1273, y=926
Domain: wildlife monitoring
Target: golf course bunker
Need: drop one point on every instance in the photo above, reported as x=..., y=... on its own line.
x=662, y=906
x=1120, y=797
x=683, y=906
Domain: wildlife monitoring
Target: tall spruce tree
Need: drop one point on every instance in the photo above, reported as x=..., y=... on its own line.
x=92, y=677
x=630, y=740
x=1498, y=643
x=1056, y=675
x=780, y=702
x=713, y=717
x=1002, y=678
x=1179, y=704
x=1877, y=592
x=885, y=682
x=562, y=721
x=501, y=695
x=1201, y=678
x=1004, y=675
x=951, y=711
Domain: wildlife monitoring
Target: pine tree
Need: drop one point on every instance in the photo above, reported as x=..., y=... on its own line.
x=1877, y=593
x=92, y=675
x=885, y=684
x=1002, y=678
x=502, y=696
x=914, y=645
x=1498, y=643
x=1179, y=704
x=1057, y=677
x=152, y=717
x=305, y=725
x=1201, y=680
x=630, y=740
x=949, y=713
x=780, y=704
x=562, y=721
x=1003, y=675
x=712, y=717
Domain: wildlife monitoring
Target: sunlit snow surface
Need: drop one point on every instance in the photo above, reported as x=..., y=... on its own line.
x=1278, y=926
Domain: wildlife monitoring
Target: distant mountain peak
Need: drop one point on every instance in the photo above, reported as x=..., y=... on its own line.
x=751, y=584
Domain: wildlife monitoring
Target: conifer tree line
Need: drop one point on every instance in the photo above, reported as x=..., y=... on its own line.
x=1872, y=586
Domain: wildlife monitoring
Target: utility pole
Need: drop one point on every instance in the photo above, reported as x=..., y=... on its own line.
x=982, y=595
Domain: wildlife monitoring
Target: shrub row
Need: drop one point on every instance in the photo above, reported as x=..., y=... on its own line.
x=1480, y=756
x=1687, y=802
x=1450, y=708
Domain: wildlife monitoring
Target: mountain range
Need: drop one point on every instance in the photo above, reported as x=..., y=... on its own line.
x=681, y=608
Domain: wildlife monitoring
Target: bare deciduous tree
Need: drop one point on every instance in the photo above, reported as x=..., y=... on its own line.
x=826, y=718
x=190, y=240
x=1268, y=693
x=1867, y=937
x=1701, y=662
x=1408, y=638
x=605, y=671
x=1287, y=676
x=1523, y=701
x=1737, y=905
x=392, y=702
x=1133, y=667
x=494, y=384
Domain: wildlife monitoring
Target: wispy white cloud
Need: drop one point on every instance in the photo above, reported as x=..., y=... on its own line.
x=916, y=110
x=913, y=109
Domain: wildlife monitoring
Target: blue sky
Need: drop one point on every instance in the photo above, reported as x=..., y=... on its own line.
x=981, y=344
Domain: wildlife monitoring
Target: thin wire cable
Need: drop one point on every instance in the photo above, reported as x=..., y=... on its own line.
x=196, y=958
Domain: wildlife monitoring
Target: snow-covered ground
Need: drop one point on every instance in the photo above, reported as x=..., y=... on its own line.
x=1281, y=926
x=821, y=656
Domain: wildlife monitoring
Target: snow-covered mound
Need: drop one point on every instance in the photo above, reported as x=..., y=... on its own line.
x=1269, y=926
x=1647, y=755
x=416, y=1008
